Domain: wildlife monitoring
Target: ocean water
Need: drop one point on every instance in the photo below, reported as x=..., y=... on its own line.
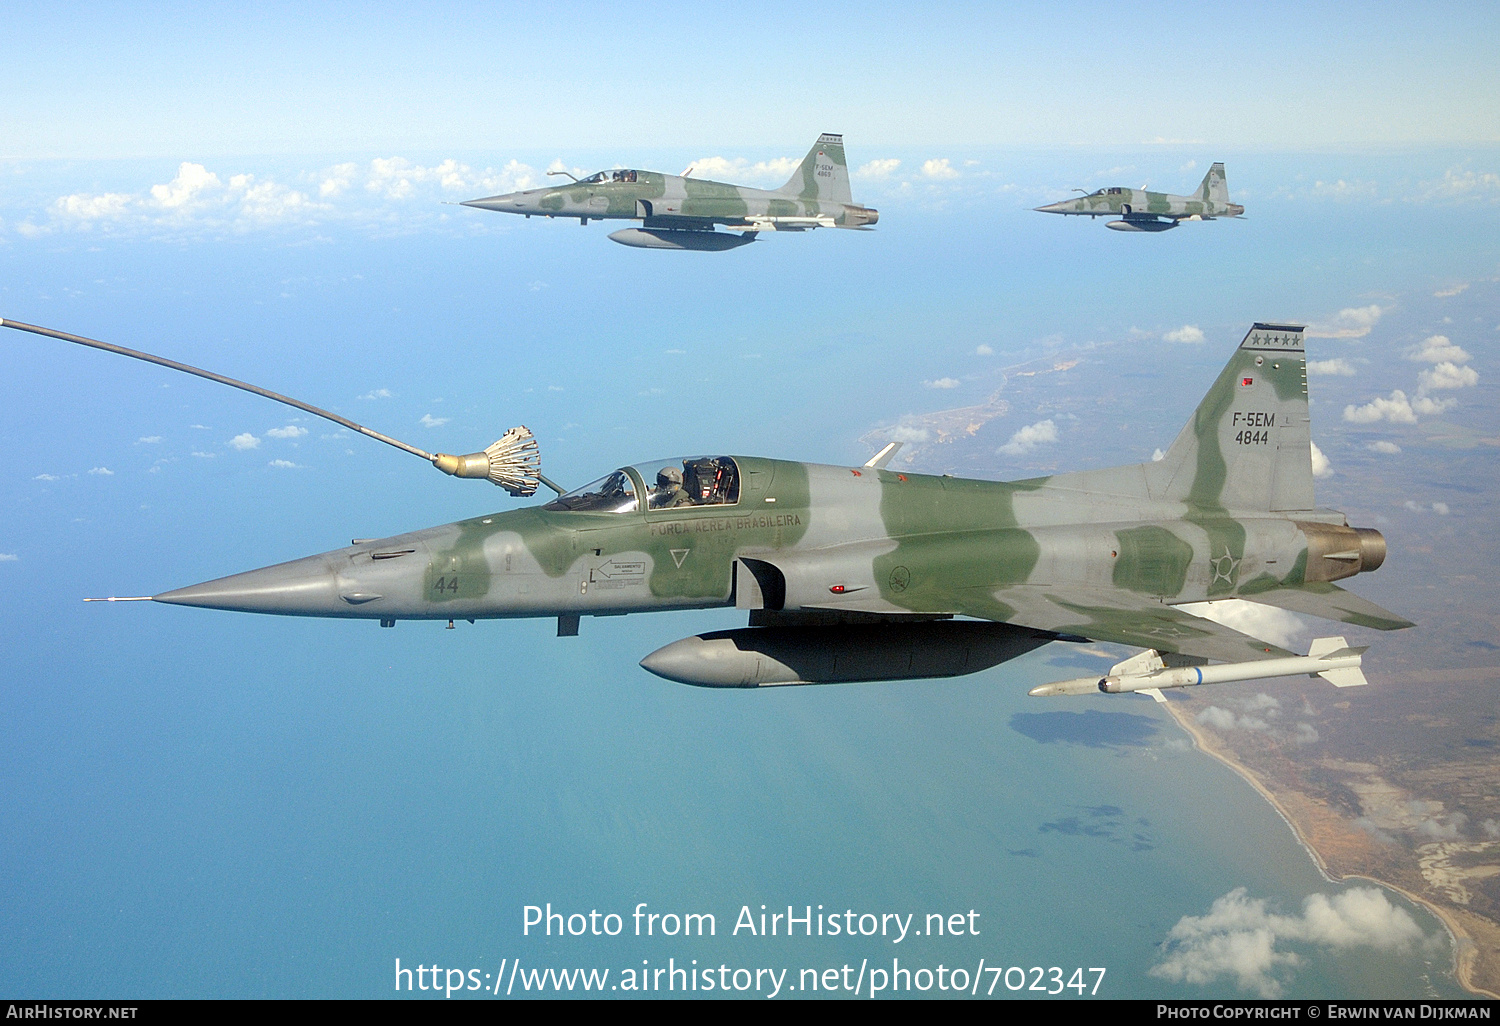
x=209, y=804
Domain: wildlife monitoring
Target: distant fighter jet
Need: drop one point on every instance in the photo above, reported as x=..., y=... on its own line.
x=678, y=212
x=1142, y=211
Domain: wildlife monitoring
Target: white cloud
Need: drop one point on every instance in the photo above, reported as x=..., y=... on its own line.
x=206, y=455
x=1426, y=820
x=245, y=441
x=8, y=557
x=878, y=168
x=1340, y=189
x=777, y=170
x=195, y=197
x=1338, y=366
x=1320, y=465
x=1388, y=448
x=290, y=431
x=268, y=203
x=940, y=169
x=282, y=463
x=1446, y=375
x=1463, y=184
x=102, y=472
x=395, y=177
x=1396, y=409
x=943, y=383
x=1452, y=290
x=83, y=207
x=908, y=434
x=1429, y=407
x=1440, y=508
x=1186, y=333
x=983, y=350
x=148, y=440
x=1029, y=437
x=336, y=179
x=1438, y=349
x=46, y=477
x=1267, y=623
x=1239, y=937
x=379, y=393
x=428, y=420
x=192, y=181
x=1157, y=456
x=1223, y=719
x=1351, y=322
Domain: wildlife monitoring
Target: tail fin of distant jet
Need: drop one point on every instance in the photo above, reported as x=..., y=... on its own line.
x=822, y=176
x=1214, y=187
x=1249, y=445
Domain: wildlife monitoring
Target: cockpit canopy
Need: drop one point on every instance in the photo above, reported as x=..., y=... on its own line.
x=666, y=484
x=617, y=175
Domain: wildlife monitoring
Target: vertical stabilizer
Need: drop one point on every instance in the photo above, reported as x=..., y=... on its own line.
x=1249, y=444
x=822, y=177
x=1214, y=188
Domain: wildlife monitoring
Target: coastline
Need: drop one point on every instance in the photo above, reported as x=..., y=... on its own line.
x=1465, y=948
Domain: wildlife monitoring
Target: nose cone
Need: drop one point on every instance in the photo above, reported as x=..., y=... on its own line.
x=1062, y=207
x=303, y=587
x=510, y=202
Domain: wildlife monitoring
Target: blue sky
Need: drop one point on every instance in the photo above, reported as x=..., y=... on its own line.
x=97, y=81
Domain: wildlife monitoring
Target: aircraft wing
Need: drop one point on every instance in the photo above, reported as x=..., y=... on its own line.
x=1122, y=617
x=1331, y=602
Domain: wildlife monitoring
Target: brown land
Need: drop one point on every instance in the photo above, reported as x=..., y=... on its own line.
x=1380, y=820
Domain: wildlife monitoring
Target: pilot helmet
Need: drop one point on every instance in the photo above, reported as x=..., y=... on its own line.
x=669, y=477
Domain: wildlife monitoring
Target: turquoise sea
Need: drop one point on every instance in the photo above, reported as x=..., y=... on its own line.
x=210, y=804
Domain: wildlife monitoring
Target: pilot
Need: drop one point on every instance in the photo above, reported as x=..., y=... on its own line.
x=669, y=491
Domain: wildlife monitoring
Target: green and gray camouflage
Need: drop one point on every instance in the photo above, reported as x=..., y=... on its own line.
x=816, y=196
x=1142, y=210
x=864, y=552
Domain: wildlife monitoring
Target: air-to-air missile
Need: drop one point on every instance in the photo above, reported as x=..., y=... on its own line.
x=1138, y=210
x=862, y=573
x=681, y=212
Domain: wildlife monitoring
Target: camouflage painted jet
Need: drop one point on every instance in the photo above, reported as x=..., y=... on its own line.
x=1142, y=211
x=861, y=573
x=678, y=212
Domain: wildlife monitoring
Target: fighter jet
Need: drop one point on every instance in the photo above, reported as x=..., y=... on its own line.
x=1142, y=211
x=681, y=212
x=863, y=573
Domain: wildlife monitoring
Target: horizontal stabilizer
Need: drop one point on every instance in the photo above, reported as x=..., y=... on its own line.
x=1331, y=602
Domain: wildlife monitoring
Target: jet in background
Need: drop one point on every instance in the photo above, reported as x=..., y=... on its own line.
x=678, y=212
x=1142, y=211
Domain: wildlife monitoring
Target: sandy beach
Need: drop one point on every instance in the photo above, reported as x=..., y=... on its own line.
x=1468, y=966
